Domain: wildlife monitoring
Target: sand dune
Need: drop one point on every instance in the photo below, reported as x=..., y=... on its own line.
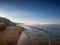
x=9, y=32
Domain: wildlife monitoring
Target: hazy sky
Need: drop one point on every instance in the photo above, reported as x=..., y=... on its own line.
x=31, y=11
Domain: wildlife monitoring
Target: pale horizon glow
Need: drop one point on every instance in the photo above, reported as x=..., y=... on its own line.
x=35, y=22
x=31, y=12
x=29, y=22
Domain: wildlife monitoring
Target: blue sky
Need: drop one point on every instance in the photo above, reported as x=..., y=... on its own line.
x=31, y=11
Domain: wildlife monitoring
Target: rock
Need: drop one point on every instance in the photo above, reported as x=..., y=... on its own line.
x=4, y=23
x=7, y=21
x=2, y=26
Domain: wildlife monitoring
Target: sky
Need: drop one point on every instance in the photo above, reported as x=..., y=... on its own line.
x=31, y=11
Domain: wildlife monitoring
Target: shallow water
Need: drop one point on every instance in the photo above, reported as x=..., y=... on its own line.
x=39, y=36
